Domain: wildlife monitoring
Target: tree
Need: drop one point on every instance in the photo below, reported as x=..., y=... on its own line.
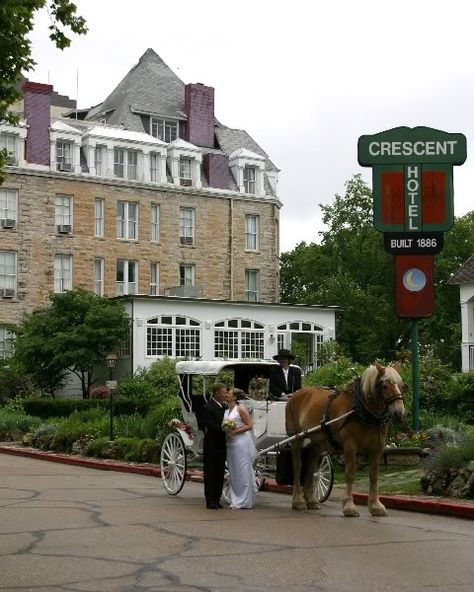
x=74, y=335
x=350, y=268
x=16, y=22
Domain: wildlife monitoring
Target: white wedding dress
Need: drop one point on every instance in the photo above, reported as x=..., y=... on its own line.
x=240, y=455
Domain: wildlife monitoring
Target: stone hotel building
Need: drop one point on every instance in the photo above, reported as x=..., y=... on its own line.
x=145, y=194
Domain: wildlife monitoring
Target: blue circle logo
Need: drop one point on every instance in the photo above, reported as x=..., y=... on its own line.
x=414, y=280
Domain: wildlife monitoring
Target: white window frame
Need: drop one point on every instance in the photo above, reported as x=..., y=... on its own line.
x=9, y=142
x=155, y=223
x=154, y=279
x=63, y=210
x=175, y=336
x=8, y=270
x=187, y=274
x=166, y=130
x=99, y=216
x=128, y=283
x=185, y=171
x=126, y=163
x=155, y=167
x=119, y=163
x=187, y=226
x=99, y=267
x=8, y=204
x=64, y=152
x=239, y=339
x=99, y=160
x=127, y=220
x=252, y=232
x=62, y=273
x=7, y=339
x=252, y=285
x=250, y=179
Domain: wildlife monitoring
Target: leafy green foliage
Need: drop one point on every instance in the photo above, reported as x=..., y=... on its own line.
x=350, y=268
x=13, y=382
x=16, y=22
x=74, y=334
x=14, y=423
x=334, y=374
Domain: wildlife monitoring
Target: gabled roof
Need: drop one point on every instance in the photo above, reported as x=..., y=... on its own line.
x=123, y=134
x=150, y=87
x=464, y=274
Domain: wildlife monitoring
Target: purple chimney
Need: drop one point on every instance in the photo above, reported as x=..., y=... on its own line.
x=37, y=102
x=217, y=171
x=199, y=109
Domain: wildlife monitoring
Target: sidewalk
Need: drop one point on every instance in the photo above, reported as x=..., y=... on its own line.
x=432, y=505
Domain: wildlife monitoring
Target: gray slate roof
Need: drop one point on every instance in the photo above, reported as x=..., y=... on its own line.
x=464, y=274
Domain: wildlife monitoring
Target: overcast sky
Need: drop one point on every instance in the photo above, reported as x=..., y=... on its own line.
x=304, y=78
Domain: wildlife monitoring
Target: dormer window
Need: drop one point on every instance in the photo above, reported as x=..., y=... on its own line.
x=9, y=142
x=185, y=172
x=64, y=156
x=249, y=179
x=99, y=160
x=164, y=129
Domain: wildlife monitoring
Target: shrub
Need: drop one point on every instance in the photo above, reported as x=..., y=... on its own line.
x=460, y=396
x=454, y=456
x=100, y=392
x=334, y=374
x=13, y=424
x=13, y=382
x=100, y=448
x=42, y=437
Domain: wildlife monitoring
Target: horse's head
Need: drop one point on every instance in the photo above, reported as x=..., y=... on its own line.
x=385, y=385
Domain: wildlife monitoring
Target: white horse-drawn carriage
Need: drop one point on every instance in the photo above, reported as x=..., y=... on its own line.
x=184, y=443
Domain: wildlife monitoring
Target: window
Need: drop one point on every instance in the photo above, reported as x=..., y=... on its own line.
x=62, y=273
x=9, y=142
x=186, y=275
x=239, y=338
x=127, y=220
x=155, y=168
x=163, y=129
x=154, y=279
x=119, y=161
x=186, y=226
x=63, y=213
x=185, y=174
x=249, y=179
x=174, y=336
x=8, y=207
x=99, y=276
x=99, y=214
x=127, y=272
x=64, y=156
x=6, y=342
x=98, y=160
x=252, y=224
x=155, y=223
x=8, y=272
x=251, y=285
x=126, y=164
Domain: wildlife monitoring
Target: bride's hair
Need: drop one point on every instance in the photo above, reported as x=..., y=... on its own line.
x=239, y=394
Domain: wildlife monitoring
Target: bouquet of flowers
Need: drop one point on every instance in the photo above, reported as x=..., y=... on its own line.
x=228, y=425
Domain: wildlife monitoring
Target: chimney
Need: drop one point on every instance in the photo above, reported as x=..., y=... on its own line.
x=217, y=171
x=37, y=103
x=199, y=109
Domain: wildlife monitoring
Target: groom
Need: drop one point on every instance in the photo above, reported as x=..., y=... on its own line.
x=210, y=418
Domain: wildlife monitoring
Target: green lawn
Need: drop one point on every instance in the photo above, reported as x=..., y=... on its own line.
x=403, y=479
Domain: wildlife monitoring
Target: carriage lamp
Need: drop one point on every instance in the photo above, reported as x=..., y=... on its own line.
x=111, y=361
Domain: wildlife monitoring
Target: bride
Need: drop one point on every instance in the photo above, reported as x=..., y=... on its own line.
x=240, y=454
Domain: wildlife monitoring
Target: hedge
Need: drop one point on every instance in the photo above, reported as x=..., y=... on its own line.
x=45, y=408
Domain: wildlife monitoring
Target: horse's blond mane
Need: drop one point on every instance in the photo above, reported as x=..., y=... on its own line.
x=371, y=376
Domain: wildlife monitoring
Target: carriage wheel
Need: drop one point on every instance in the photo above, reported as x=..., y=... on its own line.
x=173, y=463
x=324, y=478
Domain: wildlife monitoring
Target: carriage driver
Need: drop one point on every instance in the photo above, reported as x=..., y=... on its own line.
x=284, y=379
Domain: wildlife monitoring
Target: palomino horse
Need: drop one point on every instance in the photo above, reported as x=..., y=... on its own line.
x=373, y=398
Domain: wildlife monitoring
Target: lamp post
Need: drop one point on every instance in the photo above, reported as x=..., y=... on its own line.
x=111, y=361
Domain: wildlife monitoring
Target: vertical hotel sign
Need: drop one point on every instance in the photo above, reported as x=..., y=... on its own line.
x=412, y=170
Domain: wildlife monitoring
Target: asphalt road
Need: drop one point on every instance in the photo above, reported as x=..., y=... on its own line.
x=68, y=529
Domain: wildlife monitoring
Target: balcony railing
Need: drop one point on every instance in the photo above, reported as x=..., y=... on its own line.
x=185, y=291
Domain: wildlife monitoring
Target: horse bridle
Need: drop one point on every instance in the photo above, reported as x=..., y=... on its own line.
x=389, y=400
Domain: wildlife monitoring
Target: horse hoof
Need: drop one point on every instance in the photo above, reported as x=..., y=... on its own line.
x=313, y=505
x=350, y=513
x=378, y=511
x=298, y=506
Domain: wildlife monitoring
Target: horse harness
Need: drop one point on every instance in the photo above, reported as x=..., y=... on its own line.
x=360, y=411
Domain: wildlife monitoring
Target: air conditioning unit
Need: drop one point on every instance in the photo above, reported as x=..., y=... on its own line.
x=8, y=223
x=186, y=240
x=64, y=229
x=8, y=293
x=63, y=166
x=185, y=182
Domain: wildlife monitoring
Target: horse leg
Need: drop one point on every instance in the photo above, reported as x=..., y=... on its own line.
x=350, y=461
x=314, y=454
x=374, y=505
x=298, y=501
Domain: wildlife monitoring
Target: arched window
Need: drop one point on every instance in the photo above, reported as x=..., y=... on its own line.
x=309, y=336
x=174, y=336
x=238, y=339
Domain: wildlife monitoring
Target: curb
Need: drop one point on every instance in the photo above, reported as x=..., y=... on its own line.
x=461, y=509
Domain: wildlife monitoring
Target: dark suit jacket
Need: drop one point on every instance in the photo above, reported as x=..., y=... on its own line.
x=277, y=384
x=210, y=418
